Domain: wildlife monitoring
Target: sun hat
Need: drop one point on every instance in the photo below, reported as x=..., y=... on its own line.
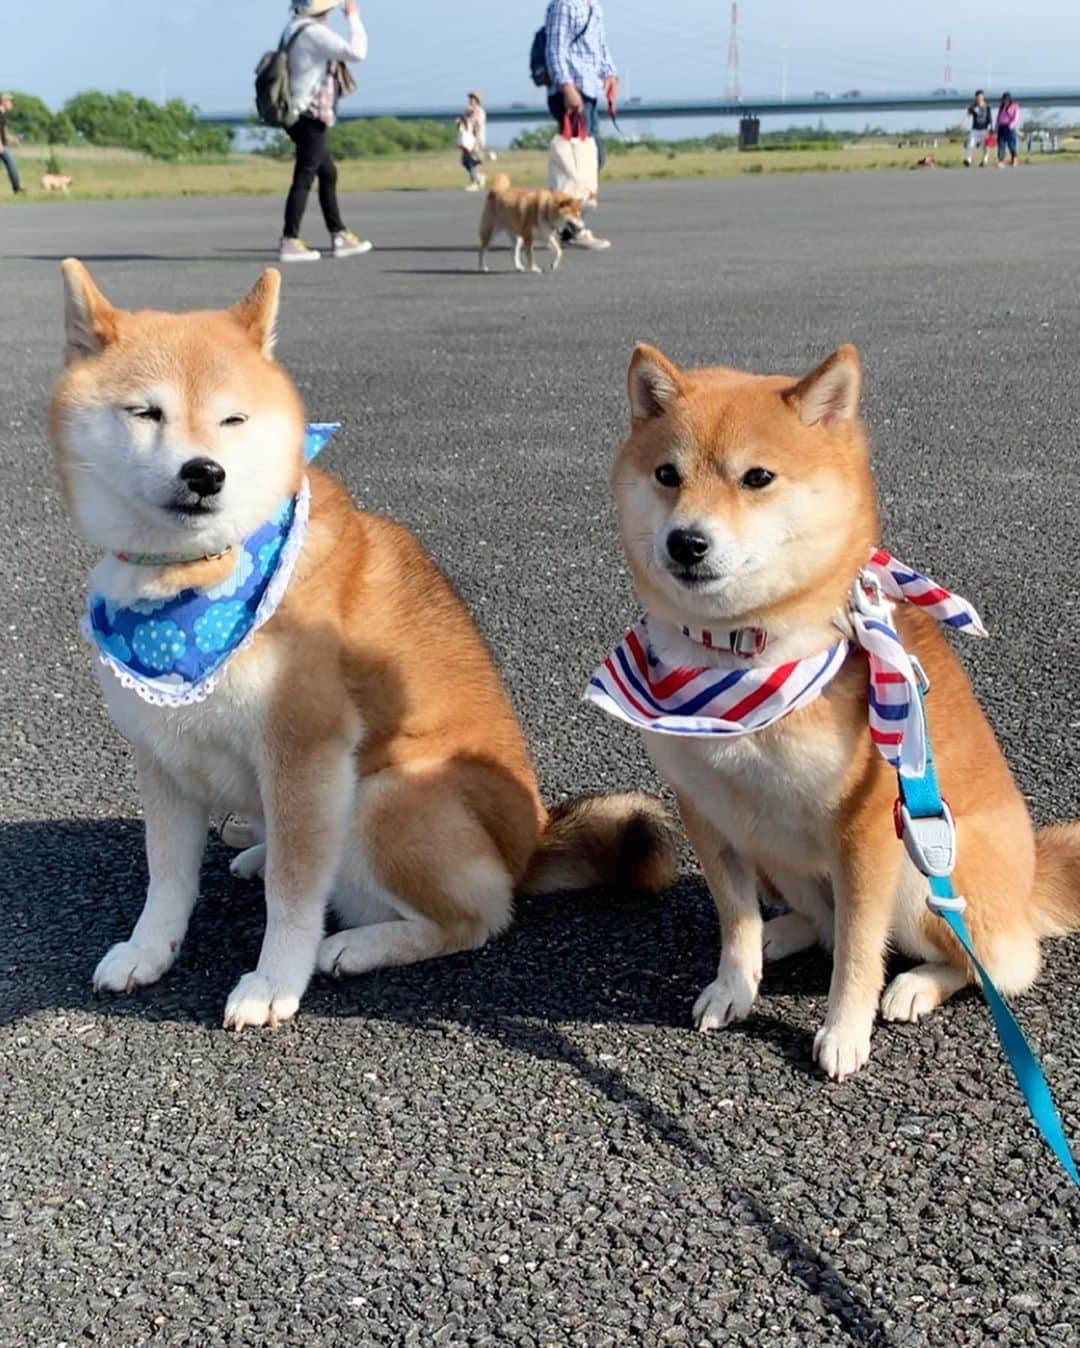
x=311, y=9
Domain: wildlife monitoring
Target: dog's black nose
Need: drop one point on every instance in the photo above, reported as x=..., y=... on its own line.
x=687, y=546
x=203, y=476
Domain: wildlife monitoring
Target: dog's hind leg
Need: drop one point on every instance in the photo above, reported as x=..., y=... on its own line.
x=530, y=243
x=519, y=244
x=419, y=850
x=176, y=829
x=556, y=248
x=487, y=229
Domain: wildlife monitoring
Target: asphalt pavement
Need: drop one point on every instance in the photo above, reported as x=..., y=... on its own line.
x=528, y=1145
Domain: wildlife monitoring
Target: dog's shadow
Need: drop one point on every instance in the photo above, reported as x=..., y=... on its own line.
x=74, y=886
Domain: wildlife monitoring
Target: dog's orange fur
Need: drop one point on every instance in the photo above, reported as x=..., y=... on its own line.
x=384, y=748
x=819, y=518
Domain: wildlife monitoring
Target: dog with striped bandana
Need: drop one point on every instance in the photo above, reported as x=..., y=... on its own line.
x=775, y=677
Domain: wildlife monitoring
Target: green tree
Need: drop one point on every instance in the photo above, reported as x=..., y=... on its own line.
x=30, y=117
x=163, y=130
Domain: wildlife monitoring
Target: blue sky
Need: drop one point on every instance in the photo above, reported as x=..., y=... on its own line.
x=431, y=51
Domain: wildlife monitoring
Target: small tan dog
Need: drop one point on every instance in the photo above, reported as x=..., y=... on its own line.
x=56, y=182
x=364, y=723
x=522, y=212
x=747, y=507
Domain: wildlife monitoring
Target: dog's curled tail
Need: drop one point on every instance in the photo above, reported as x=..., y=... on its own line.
x=1057, y=878
x=499, y=183
x=621, y=842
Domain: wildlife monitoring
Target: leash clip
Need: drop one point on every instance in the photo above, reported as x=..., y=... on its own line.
x=929, y=840
x=868, y=597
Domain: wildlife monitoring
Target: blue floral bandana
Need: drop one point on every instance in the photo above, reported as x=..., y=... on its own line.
x=172, y=651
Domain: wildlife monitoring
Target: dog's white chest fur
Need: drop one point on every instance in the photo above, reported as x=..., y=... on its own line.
x=209, y=748
x=771, y=795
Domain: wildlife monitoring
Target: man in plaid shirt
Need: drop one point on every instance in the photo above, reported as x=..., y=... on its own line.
x=580, y=69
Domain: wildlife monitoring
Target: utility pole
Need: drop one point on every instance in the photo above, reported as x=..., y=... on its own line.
x=731, y=88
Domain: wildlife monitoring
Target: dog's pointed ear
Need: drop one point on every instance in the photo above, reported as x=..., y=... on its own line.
x=90, y=321
x=258, y=310
x=829, y=394
x=652, y=382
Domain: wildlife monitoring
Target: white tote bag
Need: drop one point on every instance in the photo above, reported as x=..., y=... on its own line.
x=573, y=162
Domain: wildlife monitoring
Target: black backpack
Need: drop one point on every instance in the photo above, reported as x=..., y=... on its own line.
x=273, y=88
x=538, y=53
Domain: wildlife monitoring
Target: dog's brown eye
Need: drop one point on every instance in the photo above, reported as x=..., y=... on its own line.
x=146, y=413
x=237, y=419
x=756, y=478
x=667, y=475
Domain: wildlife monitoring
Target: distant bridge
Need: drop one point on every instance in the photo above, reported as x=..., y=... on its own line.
x=799, y=105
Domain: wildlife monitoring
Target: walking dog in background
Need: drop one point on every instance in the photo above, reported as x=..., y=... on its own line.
x=268, y=648
x=522, y=212
x=56, y=182
x=747, y=511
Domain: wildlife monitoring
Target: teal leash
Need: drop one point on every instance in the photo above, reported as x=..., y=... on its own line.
x=925, y=824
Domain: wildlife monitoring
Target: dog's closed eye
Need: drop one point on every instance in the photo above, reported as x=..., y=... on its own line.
x=145, y=412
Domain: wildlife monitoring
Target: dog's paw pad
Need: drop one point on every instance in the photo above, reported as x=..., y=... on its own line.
x=127, y=966
x=841, y=1052
x=910, y=996
x=249, y=863
x=728, y=998
x=255, y=1002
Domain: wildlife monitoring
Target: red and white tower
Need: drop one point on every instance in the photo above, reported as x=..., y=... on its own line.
x=731, y=88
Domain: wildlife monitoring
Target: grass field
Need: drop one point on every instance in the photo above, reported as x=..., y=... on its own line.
x=111, y=174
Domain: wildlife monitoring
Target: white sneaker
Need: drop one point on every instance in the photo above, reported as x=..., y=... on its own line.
x=473, y=187
x=346, y=244
x=296, y=250
x=585, y=238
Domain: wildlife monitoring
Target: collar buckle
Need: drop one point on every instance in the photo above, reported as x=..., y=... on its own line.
x=748, y=641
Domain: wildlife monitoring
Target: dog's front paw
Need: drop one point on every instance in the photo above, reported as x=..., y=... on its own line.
x=728, y=998
x=536, y=268
x=128, y=965
x=841, y=1050
x=256, y=1001
x=249, y=863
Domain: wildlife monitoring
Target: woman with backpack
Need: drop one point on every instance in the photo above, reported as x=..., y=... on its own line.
x=318, y=74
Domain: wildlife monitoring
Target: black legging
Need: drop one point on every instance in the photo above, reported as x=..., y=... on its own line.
x=312, y=159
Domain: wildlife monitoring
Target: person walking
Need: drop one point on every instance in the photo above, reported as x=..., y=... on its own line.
x=7, y=139
x=980, y=120
x=580, y=70
x=317, y=57
x=472, y=141
x=1008, y=130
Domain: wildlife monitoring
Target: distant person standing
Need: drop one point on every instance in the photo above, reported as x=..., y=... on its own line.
x=7, y=139
x=980, y=120
x=1008, y=130
x=580, y=70
x=317, y=57
x=472, y=141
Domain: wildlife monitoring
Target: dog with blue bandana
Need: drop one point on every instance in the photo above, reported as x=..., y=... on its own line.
x=267, y=648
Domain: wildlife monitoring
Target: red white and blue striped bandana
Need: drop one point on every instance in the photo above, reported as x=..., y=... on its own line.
x=731, y=697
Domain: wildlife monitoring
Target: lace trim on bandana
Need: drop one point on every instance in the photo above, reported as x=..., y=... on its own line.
x=164, y=696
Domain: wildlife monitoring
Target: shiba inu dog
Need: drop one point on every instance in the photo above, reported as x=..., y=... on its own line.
x=56, y=182
x=747, y=511
x=360, y=718
x=522, y=212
